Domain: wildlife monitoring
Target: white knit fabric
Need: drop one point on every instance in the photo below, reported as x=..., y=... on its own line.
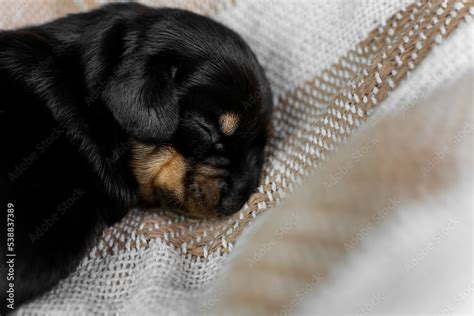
x=405, y=208
x=153, y=281
x=297, y=39
x=294, y=40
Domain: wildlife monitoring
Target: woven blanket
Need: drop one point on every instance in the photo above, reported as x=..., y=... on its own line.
x=335, y=67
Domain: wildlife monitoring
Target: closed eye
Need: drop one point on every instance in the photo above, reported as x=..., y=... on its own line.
x=195, y=126
x=207, y=130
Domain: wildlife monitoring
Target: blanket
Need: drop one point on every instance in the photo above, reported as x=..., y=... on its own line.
x=337, y=69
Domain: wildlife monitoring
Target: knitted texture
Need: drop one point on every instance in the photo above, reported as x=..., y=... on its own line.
x=330, y=63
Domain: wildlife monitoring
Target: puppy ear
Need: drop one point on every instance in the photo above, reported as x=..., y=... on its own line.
x=144, y=100
x=137, y=89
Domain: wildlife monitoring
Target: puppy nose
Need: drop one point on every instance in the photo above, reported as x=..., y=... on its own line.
x=240, y=186
x=232, y=198
x=230, y=204
x=219, y=147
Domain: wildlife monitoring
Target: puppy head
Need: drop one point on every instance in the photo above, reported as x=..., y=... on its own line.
x=212, y=161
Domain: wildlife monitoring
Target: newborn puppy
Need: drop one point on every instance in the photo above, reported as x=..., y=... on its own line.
x=119, y=107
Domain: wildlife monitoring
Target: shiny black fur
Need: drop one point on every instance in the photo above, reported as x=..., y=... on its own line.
x=73, y=94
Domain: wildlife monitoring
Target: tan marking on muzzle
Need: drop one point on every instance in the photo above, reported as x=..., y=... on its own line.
x=162, y=168
x=162, y=172
x=228, y=123
x=203, y=198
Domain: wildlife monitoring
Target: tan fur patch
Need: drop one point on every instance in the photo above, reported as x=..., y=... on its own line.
x=158, y=169
x=228, y=123
x=161, y=173
x=204, y=196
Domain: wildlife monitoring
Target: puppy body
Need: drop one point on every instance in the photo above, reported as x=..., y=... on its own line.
x=88, y=105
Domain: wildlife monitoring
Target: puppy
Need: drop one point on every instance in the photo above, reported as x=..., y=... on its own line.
x=119, y=107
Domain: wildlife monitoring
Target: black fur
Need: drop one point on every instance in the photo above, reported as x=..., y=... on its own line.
x=73, y=94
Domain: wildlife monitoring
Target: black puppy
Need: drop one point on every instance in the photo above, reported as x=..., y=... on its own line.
x=106, y=110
